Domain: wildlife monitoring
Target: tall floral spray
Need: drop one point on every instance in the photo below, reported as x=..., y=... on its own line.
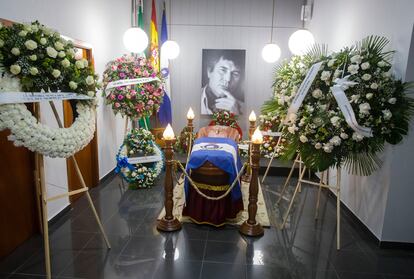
x=353, y=107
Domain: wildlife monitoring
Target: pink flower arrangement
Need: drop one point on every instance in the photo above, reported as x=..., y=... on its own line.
x=136, y=100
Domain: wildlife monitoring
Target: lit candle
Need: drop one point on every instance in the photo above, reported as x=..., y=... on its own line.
x=168, y=133
x=252, y=116
x=190, y=114
x=257, y=137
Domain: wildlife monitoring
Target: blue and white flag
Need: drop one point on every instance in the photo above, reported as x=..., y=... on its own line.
x=165, y=112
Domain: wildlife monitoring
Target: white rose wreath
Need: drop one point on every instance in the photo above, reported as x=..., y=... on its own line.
x=38, y=59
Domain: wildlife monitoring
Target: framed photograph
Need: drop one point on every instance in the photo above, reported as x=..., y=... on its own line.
x=223, y=72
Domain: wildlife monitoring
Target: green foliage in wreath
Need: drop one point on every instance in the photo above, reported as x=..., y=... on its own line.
x=43, y=60
x=318, y=131
x=139, y=143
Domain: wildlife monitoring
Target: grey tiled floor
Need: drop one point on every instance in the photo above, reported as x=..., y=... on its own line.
x=305, y=249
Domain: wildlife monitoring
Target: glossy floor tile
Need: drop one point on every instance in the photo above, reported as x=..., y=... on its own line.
x=306, y=248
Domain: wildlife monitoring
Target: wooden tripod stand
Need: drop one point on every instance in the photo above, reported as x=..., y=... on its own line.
x=41, y=186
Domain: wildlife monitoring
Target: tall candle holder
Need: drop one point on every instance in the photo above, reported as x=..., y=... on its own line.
x=251, y=227
x=168, y=223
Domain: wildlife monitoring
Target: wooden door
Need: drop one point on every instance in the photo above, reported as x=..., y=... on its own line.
x=19, y=215
x=18, y=209
x=87, y=158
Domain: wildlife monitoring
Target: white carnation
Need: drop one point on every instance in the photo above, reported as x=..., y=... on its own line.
x=387, y=114
x=33, y=57
x=91, y=93
x=364, y=108
x=90, y=80
x=369, y=96
x=374, y=86
x=73, y=85
x=353, y=69
x=392, y=101
x=337, y=73
x=327, y=147
x=310, y=108
x=356, y=59
x=56, y=73
x=15, y=51
x=335, y=141
x=365, y=66
x=43, y=41
x=22, y=33
x=303, y=138
x=344, y=136
x=30, y=44
x=292, y=129
x=318, y=145
x=382, y=63
x=325, y=75
x=317, y=93
x=65, y=63
x=51, y=52
x=366, y=77
x=59, y=45
x=336, y=121
x=357, y=137
x=79, y=64
x=33, y=71
x=70, y=52
x=61, y=54
x=331, y=62
x=15, y=69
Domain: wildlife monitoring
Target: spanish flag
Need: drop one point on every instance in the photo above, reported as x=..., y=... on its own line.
x=154, y=56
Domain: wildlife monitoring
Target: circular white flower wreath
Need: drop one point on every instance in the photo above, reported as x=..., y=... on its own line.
x=27, y=131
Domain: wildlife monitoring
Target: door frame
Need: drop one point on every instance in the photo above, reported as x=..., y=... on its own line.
x=87, y=50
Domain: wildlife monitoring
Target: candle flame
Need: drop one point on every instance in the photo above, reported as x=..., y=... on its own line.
x=168, y=133
x=252, y=116
x=190, y=114
x=257, y=136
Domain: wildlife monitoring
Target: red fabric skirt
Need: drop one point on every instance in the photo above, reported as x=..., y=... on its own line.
x=212, y=212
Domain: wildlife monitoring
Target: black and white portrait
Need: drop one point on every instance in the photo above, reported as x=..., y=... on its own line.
x=223, y=72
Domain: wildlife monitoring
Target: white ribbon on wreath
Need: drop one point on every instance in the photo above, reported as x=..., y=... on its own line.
x=28, y=132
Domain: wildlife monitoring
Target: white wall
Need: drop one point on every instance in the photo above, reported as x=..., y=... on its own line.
x=398, y=220
x=382, y=201
x=100, y=23
x=230, y=24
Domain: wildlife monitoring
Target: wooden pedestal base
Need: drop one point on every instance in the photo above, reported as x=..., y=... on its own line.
x=251, y=230
x=168, y=225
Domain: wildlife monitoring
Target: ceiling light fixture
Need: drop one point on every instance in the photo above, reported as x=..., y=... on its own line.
x=271, y=52
x=135, y=39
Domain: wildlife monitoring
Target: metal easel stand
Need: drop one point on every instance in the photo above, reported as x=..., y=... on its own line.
x=321, y=184
x=40, y=182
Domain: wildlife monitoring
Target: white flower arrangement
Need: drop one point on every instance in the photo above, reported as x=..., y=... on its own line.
x=319, y=131
x=32, y=64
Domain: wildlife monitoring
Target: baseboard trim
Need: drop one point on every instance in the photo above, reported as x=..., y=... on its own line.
x=396, y=245
x=107, y=177
x=367, y=232
x=59, y=215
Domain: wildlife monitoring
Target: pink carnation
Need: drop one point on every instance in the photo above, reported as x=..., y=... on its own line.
x=117, y=105
x=120, y=97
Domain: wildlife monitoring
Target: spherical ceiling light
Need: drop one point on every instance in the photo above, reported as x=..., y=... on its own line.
x=300, y=41
x=271, y=53
x=135, y=40
x=170, y=49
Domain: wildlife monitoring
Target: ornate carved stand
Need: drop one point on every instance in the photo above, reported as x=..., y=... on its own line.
x=168, y=223
x=251, y=227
